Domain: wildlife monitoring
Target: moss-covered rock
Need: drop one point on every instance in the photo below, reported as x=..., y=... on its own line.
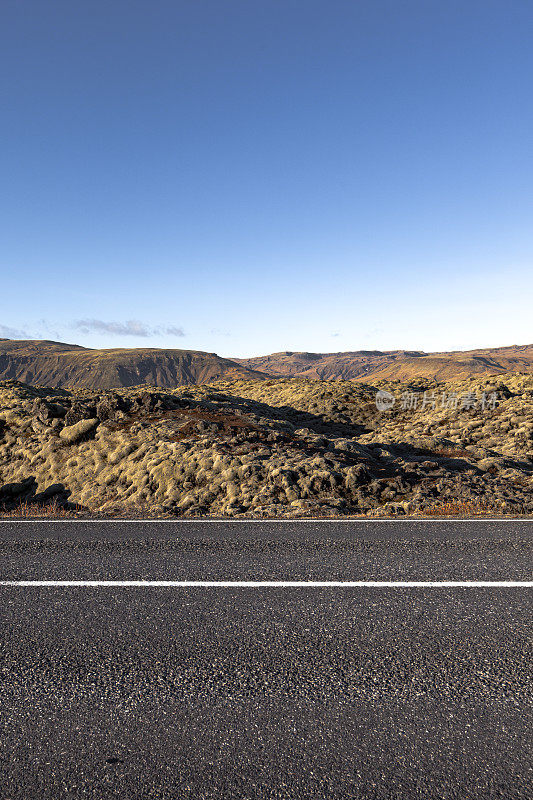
x=284, y=447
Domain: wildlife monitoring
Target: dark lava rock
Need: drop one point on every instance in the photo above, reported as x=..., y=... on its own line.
x=77, y=412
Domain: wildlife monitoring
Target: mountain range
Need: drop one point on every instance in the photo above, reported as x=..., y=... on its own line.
x=48, y=363
x=395, y=364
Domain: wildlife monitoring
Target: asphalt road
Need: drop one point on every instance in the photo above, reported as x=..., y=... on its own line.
x=266, y=693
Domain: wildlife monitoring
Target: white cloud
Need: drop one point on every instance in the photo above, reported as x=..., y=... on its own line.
x=6, y=332
x=132, y=327
x=173, y=330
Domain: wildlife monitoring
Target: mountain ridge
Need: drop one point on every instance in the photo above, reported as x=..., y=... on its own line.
x=395, y=364
x=48, y=363
x=63, y=365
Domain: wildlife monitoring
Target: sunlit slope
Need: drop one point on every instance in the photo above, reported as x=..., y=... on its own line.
x=47, y=363
x=396, y=364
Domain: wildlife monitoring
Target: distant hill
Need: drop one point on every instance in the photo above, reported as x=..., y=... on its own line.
x=365, y=365
x=46, y=363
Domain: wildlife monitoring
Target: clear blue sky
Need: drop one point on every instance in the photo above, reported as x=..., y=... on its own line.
x=247, y=176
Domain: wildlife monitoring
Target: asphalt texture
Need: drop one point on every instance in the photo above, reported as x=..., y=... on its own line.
x=289, y=693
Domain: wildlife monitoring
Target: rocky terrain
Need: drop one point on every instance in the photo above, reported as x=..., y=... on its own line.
x=396, y=364
x=68, y=365
x=268, y=448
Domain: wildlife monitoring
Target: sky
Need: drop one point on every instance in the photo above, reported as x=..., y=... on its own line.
x=251, y=176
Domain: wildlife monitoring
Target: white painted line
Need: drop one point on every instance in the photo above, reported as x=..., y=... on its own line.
x=278, y=584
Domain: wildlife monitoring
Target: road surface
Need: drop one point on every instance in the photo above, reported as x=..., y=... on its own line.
x=266, y=692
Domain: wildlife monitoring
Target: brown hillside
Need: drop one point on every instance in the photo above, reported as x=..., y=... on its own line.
x=396, y=364
x=45, y=363
x=324, y=366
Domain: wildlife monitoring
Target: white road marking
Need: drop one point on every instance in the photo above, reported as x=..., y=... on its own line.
x=277, y=584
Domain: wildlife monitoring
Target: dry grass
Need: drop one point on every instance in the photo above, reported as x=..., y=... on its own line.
x=452, y=452
x=464, y=508
x=31, y=510
x=184, y=420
